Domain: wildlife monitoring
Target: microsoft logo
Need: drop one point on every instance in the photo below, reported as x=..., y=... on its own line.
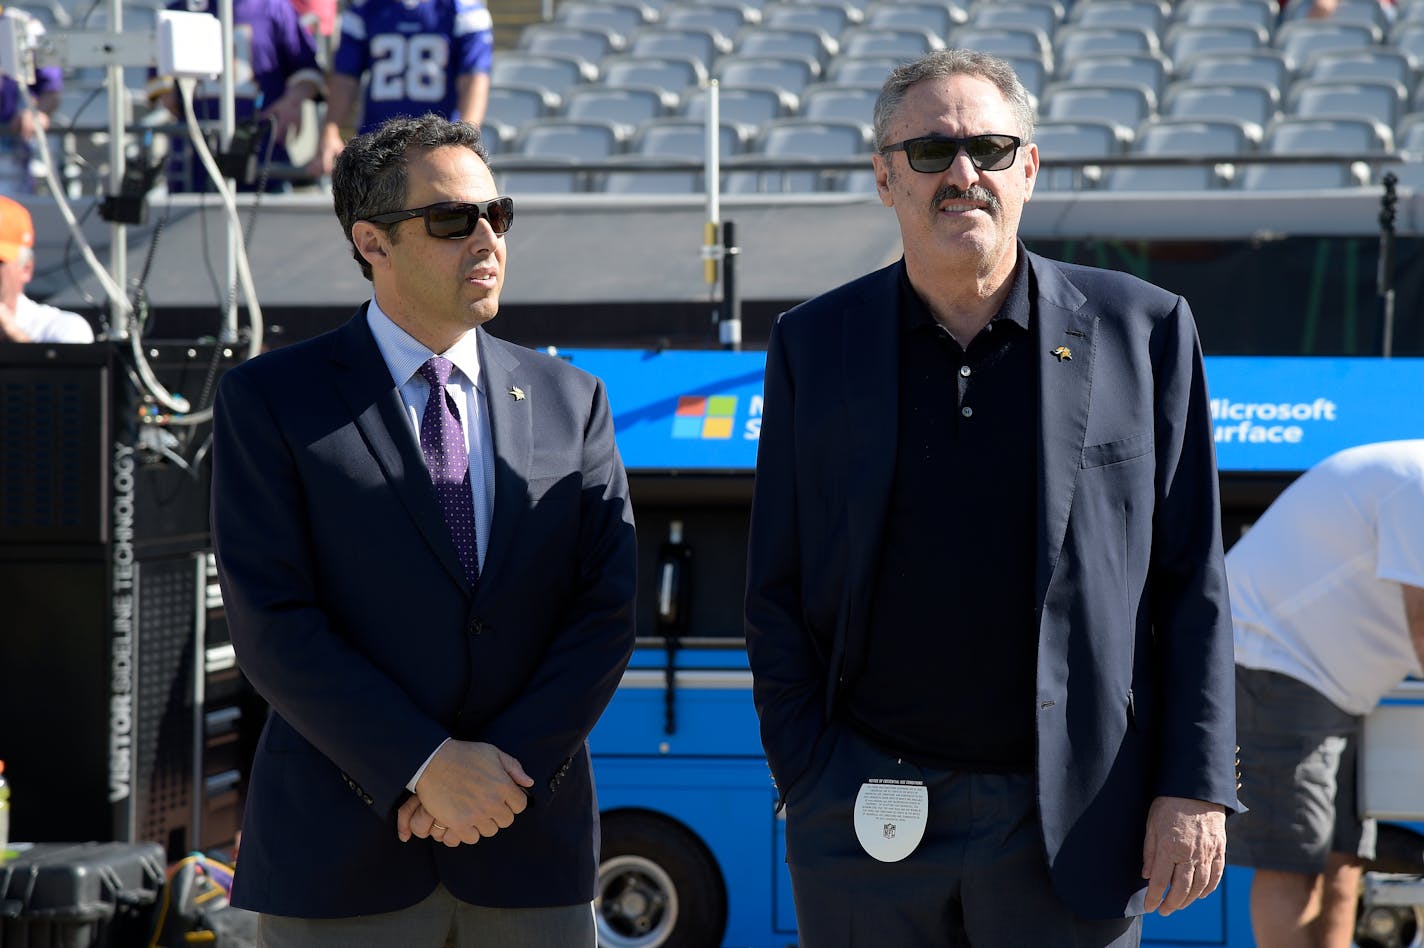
x=704, y=416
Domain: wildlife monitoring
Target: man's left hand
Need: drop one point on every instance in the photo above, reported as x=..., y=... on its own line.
x=1184, y=852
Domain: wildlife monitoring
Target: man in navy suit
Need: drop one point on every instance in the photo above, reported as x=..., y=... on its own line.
x=427, y=559
x=986, y=608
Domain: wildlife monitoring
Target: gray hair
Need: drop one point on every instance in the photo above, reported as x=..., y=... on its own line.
x=369, y=176
x=942, y=64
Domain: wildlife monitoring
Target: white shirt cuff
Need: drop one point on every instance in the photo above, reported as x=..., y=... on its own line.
x=416, y=779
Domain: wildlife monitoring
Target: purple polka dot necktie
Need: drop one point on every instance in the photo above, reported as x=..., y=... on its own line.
x=443, y=444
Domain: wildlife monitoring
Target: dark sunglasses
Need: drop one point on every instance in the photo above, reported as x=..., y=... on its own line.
x=934, y=155
x=452, y=220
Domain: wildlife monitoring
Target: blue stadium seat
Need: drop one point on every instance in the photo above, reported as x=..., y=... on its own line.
x=1256, y=102
x=1141, y=69
x=1183, y=138
x=1067, y=140
x=1383, y=100
x=1330, y=138
x=1016, y=15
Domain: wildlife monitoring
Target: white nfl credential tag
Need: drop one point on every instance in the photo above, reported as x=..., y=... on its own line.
x=890, y=816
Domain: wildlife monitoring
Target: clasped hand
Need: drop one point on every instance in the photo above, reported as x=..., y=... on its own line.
x=469, y=790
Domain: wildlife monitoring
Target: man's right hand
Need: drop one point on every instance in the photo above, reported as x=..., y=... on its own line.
x=468, y=790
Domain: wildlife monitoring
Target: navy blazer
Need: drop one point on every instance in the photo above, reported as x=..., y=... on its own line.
x=351, y=615
x=1135, y=672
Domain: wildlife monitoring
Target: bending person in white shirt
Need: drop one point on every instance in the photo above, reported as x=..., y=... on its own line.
x=1327, y=601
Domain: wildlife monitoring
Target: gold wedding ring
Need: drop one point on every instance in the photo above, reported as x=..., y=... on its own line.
x=436, y=826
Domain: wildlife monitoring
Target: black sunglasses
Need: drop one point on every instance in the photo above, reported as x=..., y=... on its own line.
x=453, y=220
x=934, y=155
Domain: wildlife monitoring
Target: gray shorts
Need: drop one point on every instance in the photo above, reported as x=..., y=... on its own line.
x=1298, y=773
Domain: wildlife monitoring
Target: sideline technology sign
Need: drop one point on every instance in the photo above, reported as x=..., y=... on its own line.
x=701, y=411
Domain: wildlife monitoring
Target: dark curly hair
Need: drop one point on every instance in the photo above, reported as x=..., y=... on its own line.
x=369, y=177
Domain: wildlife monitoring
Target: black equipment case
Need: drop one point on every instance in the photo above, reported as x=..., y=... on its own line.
x=78, y=895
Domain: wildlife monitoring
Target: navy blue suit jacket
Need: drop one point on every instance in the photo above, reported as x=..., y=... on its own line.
x=351, y=615
x=1135, y=679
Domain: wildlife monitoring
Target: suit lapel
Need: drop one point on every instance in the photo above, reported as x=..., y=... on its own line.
x=372, y=397
x=1065, y=378
x=870, y=356
x=512, y=427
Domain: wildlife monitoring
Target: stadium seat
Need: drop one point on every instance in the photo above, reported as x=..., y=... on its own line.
x=1014, y=15
x=1409, y=142
x=1388, y=64
x=556, y=74
x=629, y=106
x=748, y=106
x=538, y=174
x=1067, y=140
x=1408, y=37
x=1005, y=41
x=1141, y=69
x=1331, y=138
x=900, y=44
x=840, y=102
x=831, y=17
x=725, y=20
x=584, y=139
x=1184, y=42
x=624, y=17
x=784, y=72
x=1256, y=102
x=901, y=14
x=587, y=43
x=1253, y=13
x=857, y=70
x=1298, y=40
x=1183, y=138
x=703, y=44
x=674, y=73
x=1031, y=72
x=518, y=105
x=786, y=41
x=681, y=143
x=1383, y=100
x=651, y=174
x=1264, y=65
x=798, y=145
x=1148, y=14
x=496, y=136
x=1074, y=42
x=1409, y=135
x=1123, y=103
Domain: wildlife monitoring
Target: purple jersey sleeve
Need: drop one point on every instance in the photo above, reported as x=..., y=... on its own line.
x=473, y=38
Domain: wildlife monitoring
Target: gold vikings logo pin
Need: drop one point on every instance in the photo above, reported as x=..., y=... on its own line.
x=1063, y=353
x=517, y=392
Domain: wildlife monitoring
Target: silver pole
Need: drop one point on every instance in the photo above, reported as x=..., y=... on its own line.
x=227, y=115
x=118, y=243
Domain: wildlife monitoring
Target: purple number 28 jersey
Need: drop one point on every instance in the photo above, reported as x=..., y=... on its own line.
x=414, y=50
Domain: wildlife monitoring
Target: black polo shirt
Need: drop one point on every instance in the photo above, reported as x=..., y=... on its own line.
x=948, y=674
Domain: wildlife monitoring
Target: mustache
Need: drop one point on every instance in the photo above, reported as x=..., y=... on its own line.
x=974, y=192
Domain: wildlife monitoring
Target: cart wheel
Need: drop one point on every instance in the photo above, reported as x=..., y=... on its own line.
x=657, y=886
x=1387, y=926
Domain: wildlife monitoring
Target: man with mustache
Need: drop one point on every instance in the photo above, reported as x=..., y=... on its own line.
x=986, y=608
